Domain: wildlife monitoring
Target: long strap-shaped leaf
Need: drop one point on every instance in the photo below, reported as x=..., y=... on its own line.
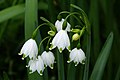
x=102, y=59
x=30, y=23
x=11, y=12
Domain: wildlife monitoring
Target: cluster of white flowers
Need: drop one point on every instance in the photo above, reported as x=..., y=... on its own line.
x=61, y=41
x=36, y=61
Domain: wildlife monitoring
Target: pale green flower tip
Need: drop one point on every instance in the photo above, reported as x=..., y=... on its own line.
x=51, y=66
x=26, y=66
x=76, y=63
x=20, y=53
x=69, y=49
x=45, y=66
x=23, y=56
x=60, y=50
x=41, y=73
x=68, y=60
x=83, y=61
x=51, y=47
x=30, y=72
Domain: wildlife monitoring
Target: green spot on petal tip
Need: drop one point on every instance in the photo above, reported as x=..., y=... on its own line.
x=51, y=47
x=60, y=50
x=76, y=64
x=41, y=73
x=69, y=48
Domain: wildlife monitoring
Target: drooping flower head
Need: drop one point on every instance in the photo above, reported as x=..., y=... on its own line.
x=61, y=40
x=36, y=64
x=48, y=58
x=77, y=55
x=29, y=49
x=59, y=24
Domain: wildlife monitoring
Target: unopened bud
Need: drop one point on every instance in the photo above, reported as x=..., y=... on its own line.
x=75, y=30
x=75, y=37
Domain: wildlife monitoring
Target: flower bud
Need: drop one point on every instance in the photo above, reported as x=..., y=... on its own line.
x=51, y=33
x=75, y=30
x=75, y=37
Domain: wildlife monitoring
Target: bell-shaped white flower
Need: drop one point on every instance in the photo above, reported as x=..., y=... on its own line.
x=36, y=64
x=61, y=40
x=48, y=59
x=29, y=49
x=40, y=65
x=77, y=55
x=58, y=25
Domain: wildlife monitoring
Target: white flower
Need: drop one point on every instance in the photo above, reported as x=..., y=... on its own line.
x=77, y=55
x=29, y=49
x=48, y=58
x=58, y=25
x=36, y=64
x=61, y=40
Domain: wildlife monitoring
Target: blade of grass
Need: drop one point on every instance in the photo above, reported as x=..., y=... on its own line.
x=31, y=22
x=11, y=12
x=111, y=25
x=94, y=20
x=60, y=65
x=71, y=71
x=87, y=61
x=71, y=66
x=102, y=59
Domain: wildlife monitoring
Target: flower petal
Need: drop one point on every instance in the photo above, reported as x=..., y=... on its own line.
x=58, y=25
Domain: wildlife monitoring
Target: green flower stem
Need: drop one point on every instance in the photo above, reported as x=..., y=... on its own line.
x=52, y=26
x=60, y=65
x=35, y=31
x=42, y=42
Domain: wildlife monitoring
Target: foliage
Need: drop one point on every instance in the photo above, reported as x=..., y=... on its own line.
x=17, y=16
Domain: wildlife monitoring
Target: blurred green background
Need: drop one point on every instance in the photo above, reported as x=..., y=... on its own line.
x=104, y=18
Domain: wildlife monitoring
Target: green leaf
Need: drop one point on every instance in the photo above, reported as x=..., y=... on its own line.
x=11, y=12
x=71, y=71
x=31, y=22
x=102, y=59
x=5, y=76
x=60, y=65
x=118, y=74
